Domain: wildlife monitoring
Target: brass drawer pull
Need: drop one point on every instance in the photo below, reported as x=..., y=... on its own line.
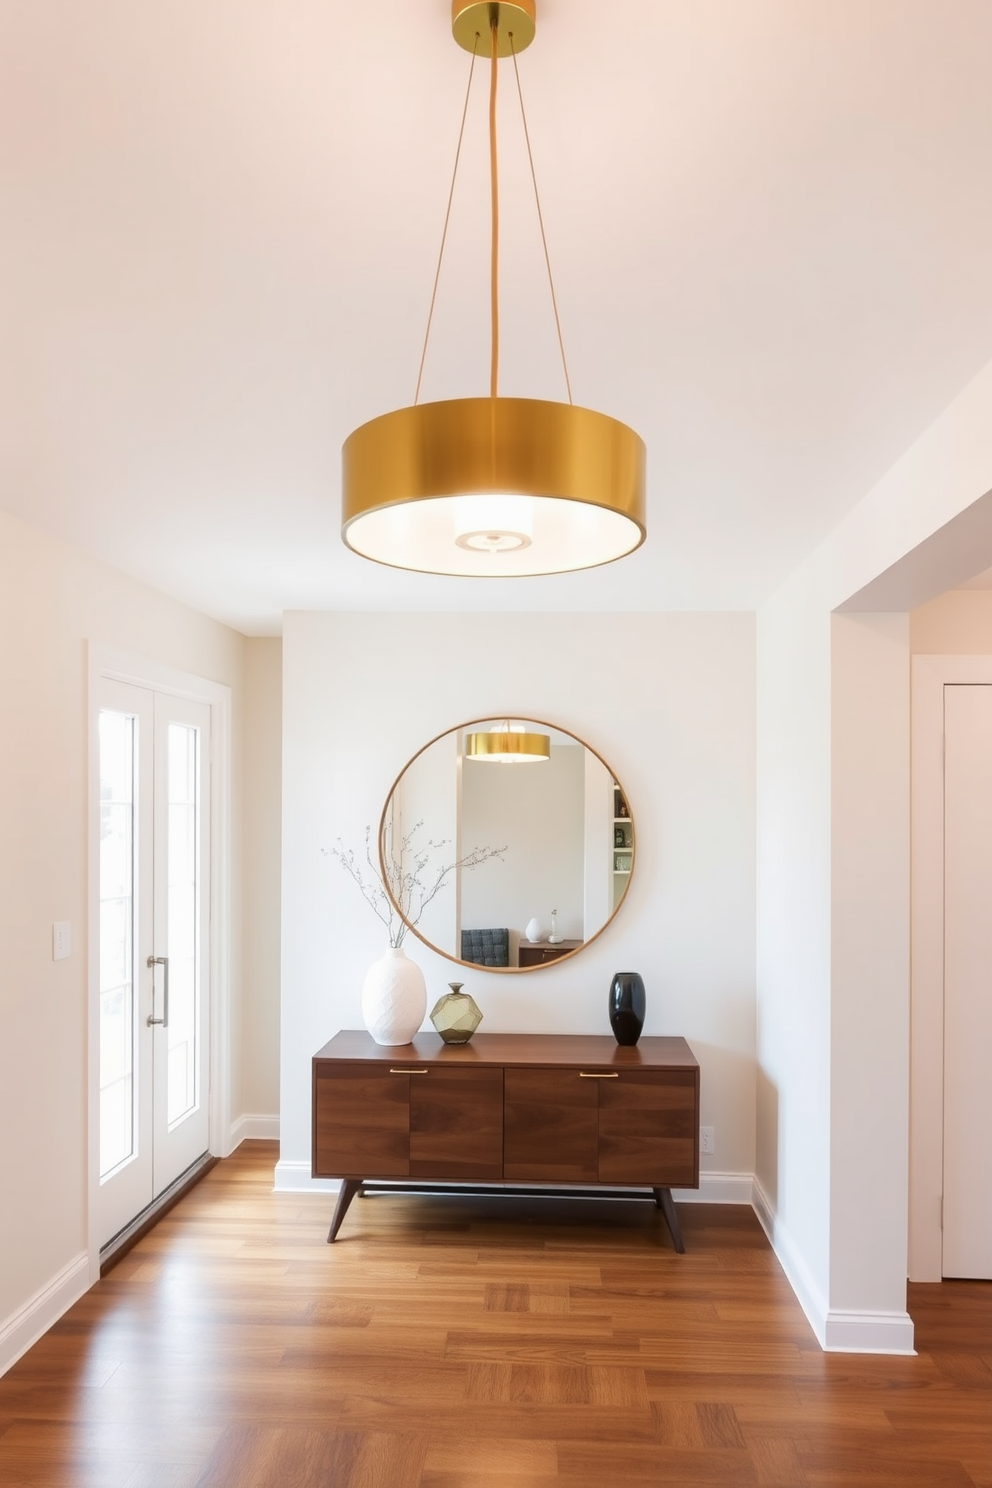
x=584, y=1076
x=407, y=1072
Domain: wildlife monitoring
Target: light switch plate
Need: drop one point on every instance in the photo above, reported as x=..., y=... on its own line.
x=61, y=940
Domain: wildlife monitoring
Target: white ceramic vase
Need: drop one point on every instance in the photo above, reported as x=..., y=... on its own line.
x=534, y=930
x=394, y=998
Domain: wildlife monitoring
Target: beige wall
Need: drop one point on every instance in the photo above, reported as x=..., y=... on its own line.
x=262, y=880
x=53, y=601
x=958, y=623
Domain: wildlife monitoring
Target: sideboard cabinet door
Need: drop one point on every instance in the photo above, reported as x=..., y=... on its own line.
x=647, y=1128
x=456, y=1123
x=550, y=1126
x=362, y=1122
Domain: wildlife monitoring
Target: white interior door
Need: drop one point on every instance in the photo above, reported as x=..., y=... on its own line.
x=967, y=1193
x=154, y=752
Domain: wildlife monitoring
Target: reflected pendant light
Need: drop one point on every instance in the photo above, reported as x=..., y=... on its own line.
x=508, y=744
x=493, y=487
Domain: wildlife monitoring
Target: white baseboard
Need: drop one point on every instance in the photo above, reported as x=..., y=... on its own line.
x=808, y=1294
x=294, y=1177
x=254, y=1129
x=836, y=1331
x=868, y=1333
x=718, y=1188
x=25, y=1327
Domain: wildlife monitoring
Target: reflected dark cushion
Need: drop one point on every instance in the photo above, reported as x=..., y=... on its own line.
x=486, y=947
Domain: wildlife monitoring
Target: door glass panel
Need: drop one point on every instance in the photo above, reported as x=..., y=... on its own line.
x=117, y=1089
x=183, y=918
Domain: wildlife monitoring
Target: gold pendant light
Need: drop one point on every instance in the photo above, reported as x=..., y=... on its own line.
x=508, y=744
x=493, y=487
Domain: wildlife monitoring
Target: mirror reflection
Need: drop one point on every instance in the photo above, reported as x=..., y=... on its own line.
x=549, y=820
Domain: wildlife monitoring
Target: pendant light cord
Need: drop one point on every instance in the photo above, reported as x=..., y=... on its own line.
x=540, y=218
x=494, y=192
x=444, y=231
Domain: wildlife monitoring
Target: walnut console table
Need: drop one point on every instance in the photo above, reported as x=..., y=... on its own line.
x=538, y=1109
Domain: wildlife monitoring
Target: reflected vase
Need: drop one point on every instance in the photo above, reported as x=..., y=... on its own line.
x=628, y=1004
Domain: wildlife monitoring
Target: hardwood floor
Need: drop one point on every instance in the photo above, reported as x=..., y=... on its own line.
x=449, y=1343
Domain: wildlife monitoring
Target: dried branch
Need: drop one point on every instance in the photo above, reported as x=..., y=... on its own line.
x=411, y=883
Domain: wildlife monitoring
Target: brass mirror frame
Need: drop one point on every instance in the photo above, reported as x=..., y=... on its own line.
x=541, y=724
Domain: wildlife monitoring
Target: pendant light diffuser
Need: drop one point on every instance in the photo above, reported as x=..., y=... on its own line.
x=411, y=479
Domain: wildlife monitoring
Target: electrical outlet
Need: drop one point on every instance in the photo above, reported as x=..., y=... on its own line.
x=707, y=1143
x=61, y=940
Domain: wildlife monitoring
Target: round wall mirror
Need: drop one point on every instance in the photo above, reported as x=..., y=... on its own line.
x=507, y=844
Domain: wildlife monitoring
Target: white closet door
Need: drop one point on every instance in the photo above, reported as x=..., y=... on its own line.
x=967, y=1240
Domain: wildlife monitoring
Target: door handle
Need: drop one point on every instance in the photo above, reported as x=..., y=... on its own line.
x=584, y=1076
x=408, y=1072
x=160, y=961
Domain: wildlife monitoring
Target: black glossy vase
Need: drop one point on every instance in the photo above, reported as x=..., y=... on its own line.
x=628, y=1005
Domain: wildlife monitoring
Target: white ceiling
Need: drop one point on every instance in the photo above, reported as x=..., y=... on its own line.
x=770, y=224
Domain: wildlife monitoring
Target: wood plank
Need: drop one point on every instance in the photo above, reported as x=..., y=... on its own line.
x=233, y=1346
x=468, y=1454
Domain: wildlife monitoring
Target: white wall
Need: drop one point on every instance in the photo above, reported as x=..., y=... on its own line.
x=833, y=874
x=833, y=960
x=927, y=525
x=54, y=599
x=869, y=1023
x=793, y=944
x=669, y=702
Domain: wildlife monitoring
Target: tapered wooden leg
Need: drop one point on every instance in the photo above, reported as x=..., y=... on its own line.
x=349, y=1188
x=663, y=1198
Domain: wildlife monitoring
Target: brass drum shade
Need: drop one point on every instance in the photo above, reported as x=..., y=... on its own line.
x=471, y=19
x=583, y=472
x=502, y=746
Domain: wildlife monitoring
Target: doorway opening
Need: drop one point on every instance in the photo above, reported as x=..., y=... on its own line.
x=949, y=960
